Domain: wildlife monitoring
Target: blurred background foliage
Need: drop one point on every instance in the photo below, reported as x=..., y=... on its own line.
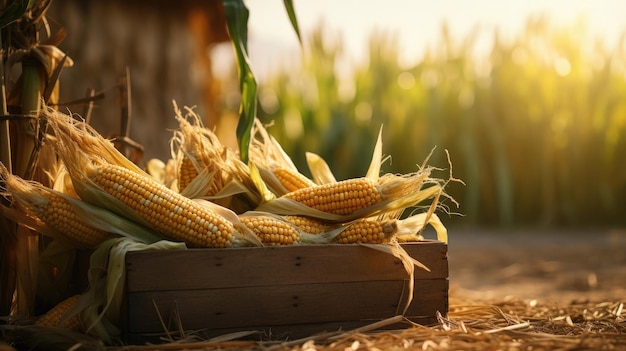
x=535, y=128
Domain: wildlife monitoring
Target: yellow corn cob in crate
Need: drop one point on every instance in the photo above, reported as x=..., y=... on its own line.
x=275, y=230
x=356, y=198
x=308, y=225
x=277, y=169
x=340, y=198
x=271, y=231
x=170, y=213
x=367, y=230
x=187, y=172
x=292, y=180
x=58, y=316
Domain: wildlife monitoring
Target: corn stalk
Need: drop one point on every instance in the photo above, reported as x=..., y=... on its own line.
x=29, y=52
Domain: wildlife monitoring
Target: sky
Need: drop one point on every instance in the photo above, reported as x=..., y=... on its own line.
x=415, y=23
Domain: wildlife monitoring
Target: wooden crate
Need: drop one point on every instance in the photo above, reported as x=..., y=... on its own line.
x=286, y=292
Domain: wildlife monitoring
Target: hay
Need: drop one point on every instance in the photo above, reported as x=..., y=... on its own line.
x=471, y=324
x=505, y=324
x=509, y=324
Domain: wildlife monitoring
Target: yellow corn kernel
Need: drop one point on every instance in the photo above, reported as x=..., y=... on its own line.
x=51, y=208
x=292, y=180
x=308, y=225
x=344, y=197
x=170, y=213
x=272, y=231
x=60, y=215
x=367, y=231
x=186, y=173
x=56, y=316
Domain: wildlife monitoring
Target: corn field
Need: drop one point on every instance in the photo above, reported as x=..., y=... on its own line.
x=535, y=128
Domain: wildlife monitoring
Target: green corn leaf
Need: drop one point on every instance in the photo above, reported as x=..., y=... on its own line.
x=292, y=17
x=237, y=20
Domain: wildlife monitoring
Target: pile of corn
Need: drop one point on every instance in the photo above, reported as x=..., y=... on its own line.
x=206, y=197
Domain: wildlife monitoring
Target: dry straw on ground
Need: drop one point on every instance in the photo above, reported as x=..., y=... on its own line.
x=506, y=324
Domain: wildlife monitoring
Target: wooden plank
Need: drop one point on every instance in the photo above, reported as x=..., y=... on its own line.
x=284, y=304
x=248, y=267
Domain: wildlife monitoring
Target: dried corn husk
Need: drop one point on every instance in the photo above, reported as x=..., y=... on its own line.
x=229, y=181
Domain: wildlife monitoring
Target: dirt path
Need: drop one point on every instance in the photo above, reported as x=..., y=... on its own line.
x=548, y=266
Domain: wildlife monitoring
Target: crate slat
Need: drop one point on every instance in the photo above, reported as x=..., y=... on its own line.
x=283, y=304
x=306, y=264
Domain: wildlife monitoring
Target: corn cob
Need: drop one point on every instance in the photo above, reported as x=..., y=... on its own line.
x=59, y=213
x=367, y=231
x=57, y=315
x=186, y=172
x=51, y=208
x=277, y=169
x=275, y=230
x=198, y=148
x=308, y=225
x=291, y=179
x=198, y=153
x=272, y=231
x=170, y=213
x=341, y=198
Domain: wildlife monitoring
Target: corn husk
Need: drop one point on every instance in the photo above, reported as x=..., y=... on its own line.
x=268, y=155
x=100, y=305
x=229, y=182
x=70, y=131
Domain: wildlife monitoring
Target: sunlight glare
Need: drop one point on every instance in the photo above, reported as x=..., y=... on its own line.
x=293, y=123
x=406, y=80
x=363, y=112
x=562, y=67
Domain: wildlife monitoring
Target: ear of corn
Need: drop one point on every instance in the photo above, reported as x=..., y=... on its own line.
x=367, y=230
x=187, y=171
x=340, y=198
x=308, y=225
x=58, y=315
x=277, y=169
x=291, y=179
x=198, y=153
x=277, y=230
x=53, y=209
x=57, y=212
x=356, y=198
x=170, y=213
x=272, y=231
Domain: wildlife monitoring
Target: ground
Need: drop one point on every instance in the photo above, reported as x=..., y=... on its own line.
x=538, y=264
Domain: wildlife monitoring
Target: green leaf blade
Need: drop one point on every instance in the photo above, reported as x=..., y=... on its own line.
x=237, y=20
x=292, y=17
